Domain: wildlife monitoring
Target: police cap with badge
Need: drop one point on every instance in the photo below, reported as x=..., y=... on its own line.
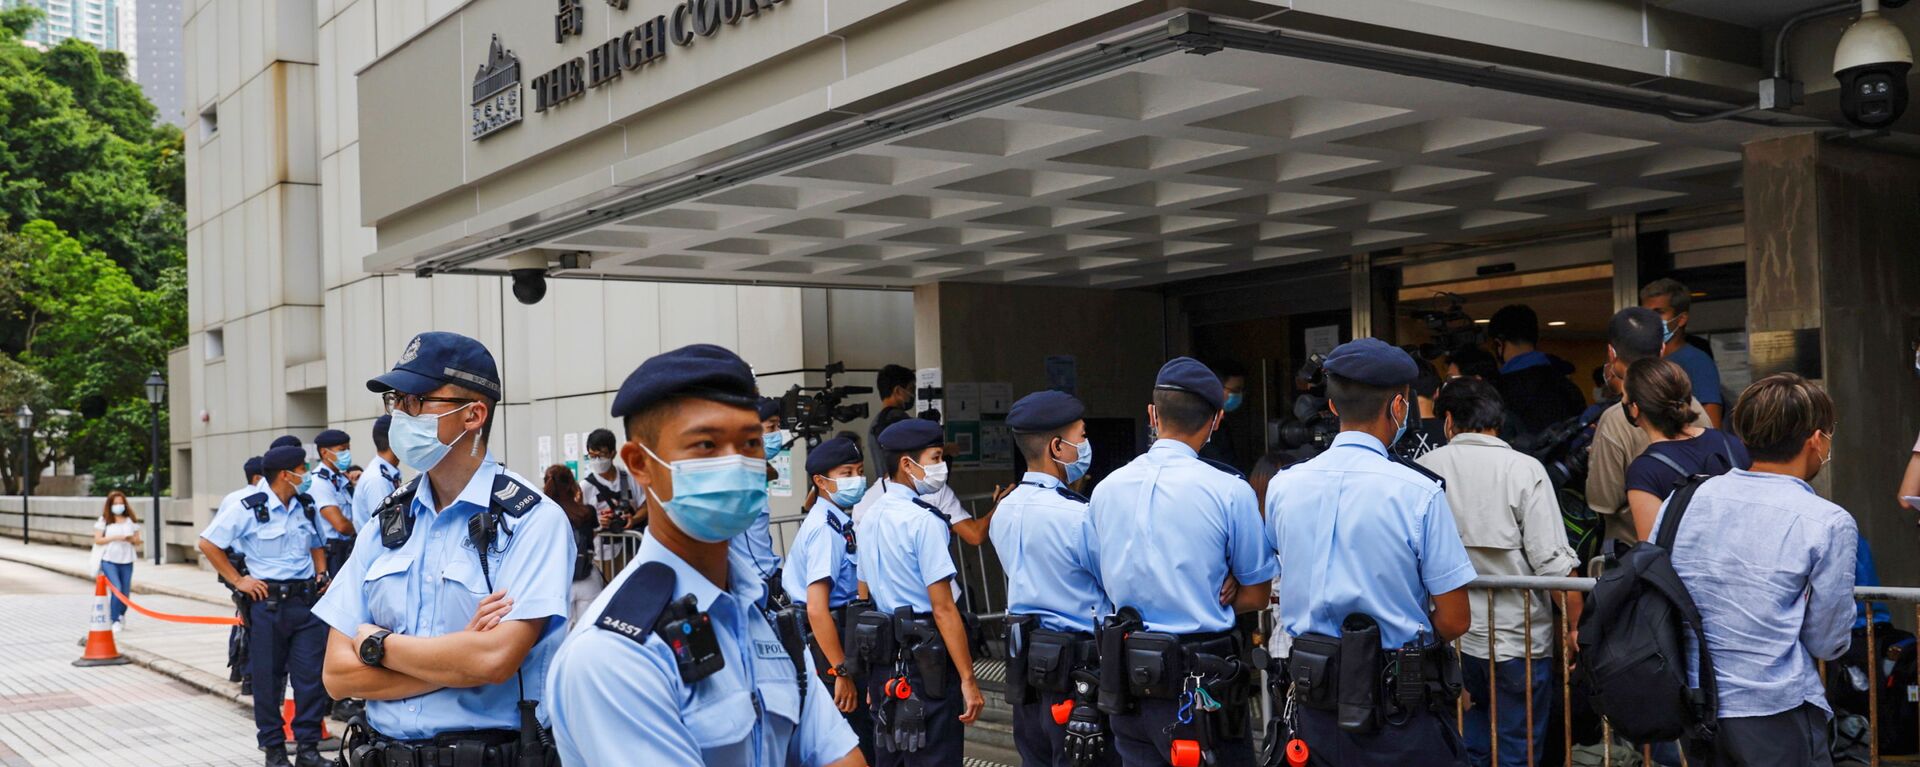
x=1373, y=362
x=274, y=461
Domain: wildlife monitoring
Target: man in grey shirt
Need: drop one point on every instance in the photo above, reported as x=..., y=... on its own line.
x=1770, y=565
x=1633, y=335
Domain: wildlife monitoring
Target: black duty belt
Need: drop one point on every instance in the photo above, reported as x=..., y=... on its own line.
x=1043, y=660
x=281, y=591
x=472, y=748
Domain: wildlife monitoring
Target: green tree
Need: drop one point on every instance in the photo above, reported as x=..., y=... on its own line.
x=92, y=254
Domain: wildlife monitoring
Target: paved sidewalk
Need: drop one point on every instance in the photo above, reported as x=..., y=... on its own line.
x=187, y=581
x=55, y=715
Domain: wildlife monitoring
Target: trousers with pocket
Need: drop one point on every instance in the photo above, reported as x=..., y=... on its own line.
x=1795, y=738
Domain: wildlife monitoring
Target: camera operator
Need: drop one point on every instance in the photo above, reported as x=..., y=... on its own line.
x=894, y=384
x=607, y=487
x=1533, y=384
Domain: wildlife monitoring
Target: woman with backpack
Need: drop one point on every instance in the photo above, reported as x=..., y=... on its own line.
x=1659, y=401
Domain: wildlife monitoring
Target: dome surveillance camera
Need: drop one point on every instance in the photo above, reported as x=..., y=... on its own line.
x=529, y=271
x=1871, y=63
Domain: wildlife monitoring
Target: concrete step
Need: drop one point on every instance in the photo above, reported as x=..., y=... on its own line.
x=987, y=755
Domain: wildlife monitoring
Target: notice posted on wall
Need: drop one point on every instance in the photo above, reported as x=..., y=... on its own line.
x=1322, y=340
x=544, y=448
x=1063, y=372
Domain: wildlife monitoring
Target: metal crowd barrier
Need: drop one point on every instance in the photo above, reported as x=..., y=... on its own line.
x=1872, y=675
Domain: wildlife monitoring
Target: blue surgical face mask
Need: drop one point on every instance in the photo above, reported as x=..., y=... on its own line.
x=306, y=483
x=1667, y=330
x=1078, y=467
x=343, y=459
x=1234, y=401
x=416, y=438
x=847, y=491
x=1400, y=429
x=774, y=441
x=714, y=498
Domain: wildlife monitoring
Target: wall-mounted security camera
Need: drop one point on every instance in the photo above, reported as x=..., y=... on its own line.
x=1871, y=63
x=529, y=270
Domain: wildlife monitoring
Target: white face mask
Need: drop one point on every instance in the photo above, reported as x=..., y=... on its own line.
x=935, y=479
x=119, y=509
x=600, y=465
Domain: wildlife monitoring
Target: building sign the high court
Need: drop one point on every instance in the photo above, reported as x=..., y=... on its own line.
x=496, y=92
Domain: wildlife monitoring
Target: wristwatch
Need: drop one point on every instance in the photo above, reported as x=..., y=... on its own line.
x=373, y=651
x=839, y=671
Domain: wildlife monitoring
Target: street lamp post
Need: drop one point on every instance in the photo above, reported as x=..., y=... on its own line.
x=24, y=419
x=156, y=394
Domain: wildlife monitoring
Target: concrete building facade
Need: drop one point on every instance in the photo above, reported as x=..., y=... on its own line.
x=1018, y=194
x=150, y=34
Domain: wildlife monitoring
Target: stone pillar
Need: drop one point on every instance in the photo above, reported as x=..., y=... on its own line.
x=1833, y=271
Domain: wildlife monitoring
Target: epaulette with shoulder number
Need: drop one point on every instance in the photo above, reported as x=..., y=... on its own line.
x=396, y=525
x=636, y=608
x=1069, y=494
x=1424, y=471
x=306, y=505
x=511, y=497
x=1232, y=472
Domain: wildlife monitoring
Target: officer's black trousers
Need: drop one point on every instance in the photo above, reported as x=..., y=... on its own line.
x=946, y=736
x=1144, y=738
x=1424, y=740
x=860, y=718
x=286, y=642
x=1040, y=740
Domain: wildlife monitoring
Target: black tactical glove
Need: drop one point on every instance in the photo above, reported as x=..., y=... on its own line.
x=909, y=726
x=1086, y=737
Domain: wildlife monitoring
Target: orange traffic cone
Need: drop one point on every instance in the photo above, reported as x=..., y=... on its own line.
x=286, y=716
x=100, y=648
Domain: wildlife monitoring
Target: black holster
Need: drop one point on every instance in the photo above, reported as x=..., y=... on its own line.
x=1357, y=692
x=919, y=640
x=1114, y=697
x=1019, y=627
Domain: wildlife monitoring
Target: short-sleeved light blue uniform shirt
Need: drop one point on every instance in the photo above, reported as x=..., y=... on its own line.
x=903, y=550
x=1168, y=529
x=617, y=701
x=819, y=553
x=376, y=483
x=1042, y=537
x=756, y=544
x=279, y=549
x=431, y=585
x=1359, y=533
x=330, y=489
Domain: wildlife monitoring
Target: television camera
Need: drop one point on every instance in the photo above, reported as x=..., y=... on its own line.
x=1452, y=329
x=810, y=412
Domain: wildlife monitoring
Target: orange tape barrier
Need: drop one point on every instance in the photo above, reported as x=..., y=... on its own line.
x=209, y=620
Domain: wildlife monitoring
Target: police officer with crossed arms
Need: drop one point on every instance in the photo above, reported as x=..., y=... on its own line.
x=286, y=570
x=1365, y=544
x=681, y=664
x=455, y=598
x=1044, y=538
x=1169, y=528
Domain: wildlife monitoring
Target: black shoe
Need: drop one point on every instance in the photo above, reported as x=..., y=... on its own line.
x=308, y=755
x=277, y=756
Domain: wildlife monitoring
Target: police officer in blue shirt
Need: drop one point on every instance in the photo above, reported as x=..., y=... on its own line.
x=681, y=664
x=922, y=687
x=454, y=600
x=1169, y=529
x=756, y=544
x=382, y=476
x=822, y=578
x=333, y=494
x=1054, y=597
x=1366, y=543
x=286, y=571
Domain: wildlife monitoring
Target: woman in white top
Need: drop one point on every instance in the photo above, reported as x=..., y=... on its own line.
x=117, y=533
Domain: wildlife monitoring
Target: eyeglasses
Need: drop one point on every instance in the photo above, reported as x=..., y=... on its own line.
x=410, y=404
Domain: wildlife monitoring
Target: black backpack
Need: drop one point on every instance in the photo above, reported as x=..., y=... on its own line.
x=1633, y=642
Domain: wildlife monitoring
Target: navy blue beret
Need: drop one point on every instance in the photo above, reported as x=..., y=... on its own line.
x=251, y=467
x=838, y=451
x=284, y=440
x=704, y=371
x=1373, y=362
x=435, y=359
x=912, y=434
x=1188, y=375
x=282, y=459
x=768, y=408
x=331, y=438
x=1044, y=411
